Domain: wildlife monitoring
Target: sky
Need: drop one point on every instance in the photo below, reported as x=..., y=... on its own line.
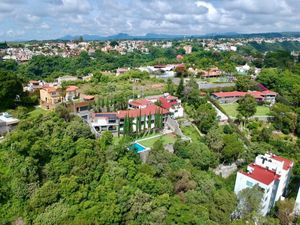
x=50, y=19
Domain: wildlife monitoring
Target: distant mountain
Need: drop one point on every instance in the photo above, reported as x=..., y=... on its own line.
x=153, y=36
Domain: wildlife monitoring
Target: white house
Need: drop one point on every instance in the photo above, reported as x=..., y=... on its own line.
x=243, y=69
x=271, y=173
x=173, y=104
x=7, y=123
x=297, y=203
x=72, y=93
x=66, y=78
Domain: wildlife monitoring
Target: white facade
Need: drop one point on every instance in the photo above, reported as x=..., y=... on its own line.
x=297, y=203
x=271, y=173
x=7, y=123
x=66, y=78
x=177, y=111
x=243, y=69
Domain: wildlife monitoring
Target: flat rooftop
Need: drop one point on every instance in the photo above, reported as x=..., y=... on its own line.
x=8, y=119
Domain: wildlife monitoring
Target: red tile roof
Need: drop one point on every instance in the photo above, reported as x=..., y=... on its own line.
x=50, y=89
x=255, y=94
x=34, y=82
x=149, y=110
x=268, y=92
x=140, y=102
x=72, y=88
x=89, y=97
x=287, y=164
x=179, y=57
x=261, y=174
x=166, y=101
x=180, y=65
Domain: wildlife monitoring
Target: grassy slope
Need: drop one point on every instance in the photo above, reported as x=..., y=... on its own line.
x=231, y=110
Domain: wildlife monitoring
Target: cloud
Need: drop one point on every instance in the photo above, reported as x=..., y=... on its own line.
x=105, y=17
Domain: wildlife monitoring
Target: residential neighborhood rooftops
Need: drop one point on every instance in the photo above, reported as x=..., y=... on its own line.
x=261, y=174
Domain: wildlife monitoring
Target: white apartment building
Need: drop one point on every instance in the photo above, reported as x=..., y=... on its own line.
x=271, y=173
x=297, y=203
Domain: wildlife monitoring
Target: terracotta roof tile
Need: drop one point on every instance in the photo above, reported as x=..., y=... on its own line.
x=261, y=174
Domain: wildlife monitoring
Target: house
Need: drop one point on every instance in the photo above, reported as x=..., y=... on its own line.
x=166, y=101
x=179, y=57
x=7, y=123
x=49, y=97
x=81, y=106
x=233, y=96
x=297, y=204
x=105, y=122
x=243, y=69
x=72, y=93
x=60, y=80
x=122, y=71
x=114, y=121
x=271, y=173
x=139, y=103
x=147, y=116
x=172, y=104
x=88, y=77
x=34, y=85
x=188, y=49
x=212, y=72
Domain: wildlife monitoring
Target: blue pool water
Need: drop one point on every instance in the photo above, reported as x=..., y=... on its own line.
x=138, y=147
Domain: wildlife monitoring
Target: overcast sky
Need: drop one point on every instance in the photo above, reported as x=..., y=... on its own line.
x=48, y=19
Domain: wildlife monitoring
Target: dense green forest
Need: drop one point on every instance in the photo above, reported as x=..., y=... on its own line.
x=56, y=173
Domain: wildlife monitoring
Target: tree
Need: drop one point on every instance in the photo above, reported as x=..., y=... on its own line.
x=191, y=93
x=285, y=211
x=106, y=139
x=249, y=203
x=63, y=112
x=198, y=153
x=10, y=88
x=180, y=88
x=285, y=119
x=244, y=83
x=247, y=106
x=170, y=86
x=214, y=139
x=232, y=147
x=205, y=117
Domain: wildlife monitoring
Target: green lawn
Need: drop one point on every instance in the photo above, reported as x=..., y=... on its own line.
x=167, y=139
x=36, y=112
x=191, y=132
x=216, y=80
x=230, y=109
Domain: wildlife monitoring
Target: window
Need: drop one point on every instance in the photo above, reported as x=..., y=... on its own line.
x=249, y=184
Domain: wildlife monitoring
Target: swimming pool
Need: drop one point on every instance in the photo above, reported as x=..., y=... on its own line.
x=138, y=148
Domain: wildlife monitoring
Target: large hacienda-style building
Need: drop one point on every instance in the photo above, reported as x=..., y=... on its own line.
x=266, y=96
